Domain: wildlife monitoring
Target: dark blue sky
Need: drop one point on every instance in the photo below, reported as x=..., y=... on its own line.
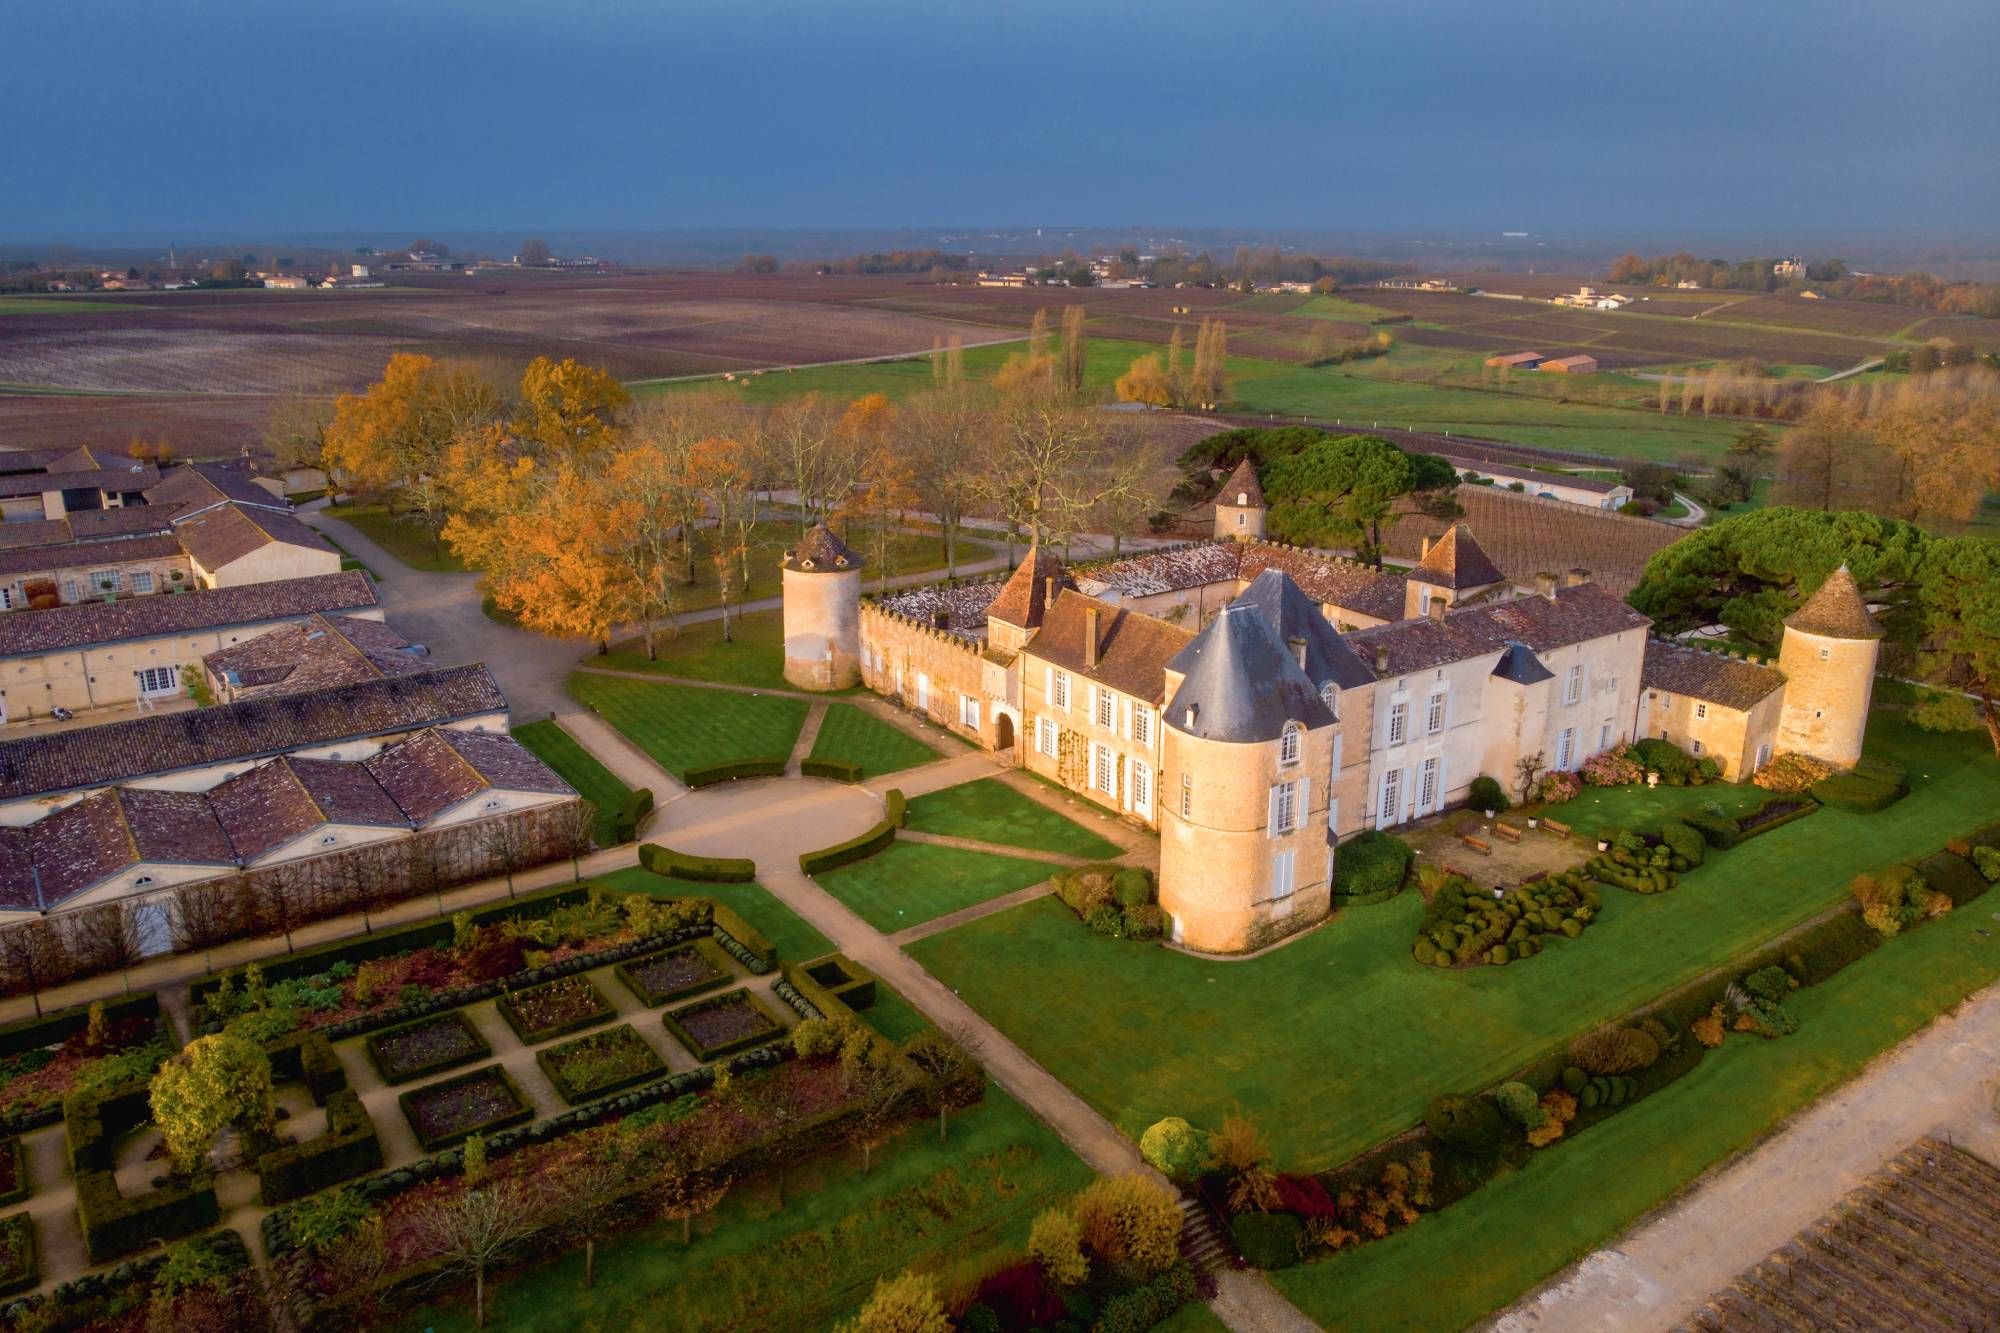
x=219, y=118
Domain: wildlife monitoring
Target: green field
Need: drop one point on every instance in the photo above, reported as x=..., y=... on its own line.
x=1385, y=1033
x=580, y=769
x=754, y=654
x=1340, y=308
x=683, y=726
x=794, y=939
x=991, y=811
x=52, y=305
x=1107, y=359
x=858, y=736
x=1526, y=1225
x=403, y=537
x=914, y=882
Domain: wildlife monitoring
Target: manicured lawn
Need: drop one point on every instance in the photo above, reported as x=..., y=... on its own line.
x=1637, y=807
x=893, y=1016
x=1527, y=1225
x=682, y=726
x=1105, y=360
x=809, y=1256
x=1340, y=308
x=858, y=736
x=53, y=305
x=787, y=930
x=580, y=769
x=755, y=654
x=406, y=538
x=912, y=882
x=991, y=811
x=1381, y=1034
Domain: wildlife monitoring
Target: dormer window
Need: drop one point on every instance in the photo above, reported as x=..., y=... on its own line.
x=1288, y=743
x=1243, y=498
x=1329, y=694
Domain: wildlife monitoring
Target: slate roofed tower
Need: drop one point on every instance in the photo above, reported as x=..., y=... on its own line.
x=1240, y=507
x=1246, y=759
x=1828, y=657
x=822, y=611
x=1013, y=617
x=1452, y=570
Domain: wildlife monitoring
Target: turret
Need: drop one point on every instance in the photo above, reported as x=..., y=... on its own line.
x=1240, y=507
x=822, y=601
x=1453, y=571
x=1828, y=657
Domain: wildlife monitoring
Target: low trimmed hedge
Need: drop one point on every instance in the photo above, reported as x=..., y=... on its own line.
x=510, y=1010
x=708, y=775
x=1857, y=793
x=708, y=950
x=22, y=1188
x=1718, y=831
x=631, y=812
x=549, y=1062
x=700, y=869
x=840, y=770
x=1748, y=823
x=349, y=1148
x=895, y=808
x=49, y=1029
x=847, y=853
x=478, y=1050
x=308, y=1058
x=523, y=1112
x=741, y=940
x=774, y=1029
x=841, y=977
x=1953, y=876
x=114, y=1224
x=1369, y=868
x=26, y=1274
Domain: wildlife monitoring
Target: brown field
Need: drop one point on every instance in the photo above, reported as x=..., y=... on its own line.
x=207, y=426
x=1867, y=319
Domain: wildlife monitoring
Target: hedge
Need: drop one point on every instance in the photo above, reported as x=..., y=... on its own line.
x=846, y=853
x=523, y=1112
x=841, y=977
x=1369, y=868
x=1718, y=831
x=21, y=1188
x=625, y=820
x=349, y=1148
x=1748, y=827
x=1267, y=1240
x=895, y=808
x=840, y=770
x=705, y=1053
x=114, y=1224
x=708, y=775
x=25, y=1034
x=700, y=869
x=26, y=1273
x=741, y=940
x=478, y=1050
x=308, y=1058
x=111, y=1297
x=1954, y=876
x=1856, y=793
x=710, y=951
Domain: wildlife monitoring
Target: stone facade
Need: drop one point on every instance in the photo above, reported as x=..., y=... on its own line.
x=1829, y=684
x=930, y=671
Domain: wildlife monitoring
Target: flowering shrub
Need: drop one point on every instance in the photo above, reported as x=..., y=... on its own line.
x=1612, y=768
x=1557, y=788
x=1558, y=1109
x=1896, y=899
x=1790, y=772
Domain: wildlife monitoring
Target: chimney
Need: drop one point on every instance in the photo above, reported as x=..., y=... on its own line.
x=1424, y=548
x=1381, y=659
x=1545, y=584
x=1576, y=576
x=941, y=619
x=1048, y=591
x=1090, y=637
x=1298, y=642
x=1437, y=609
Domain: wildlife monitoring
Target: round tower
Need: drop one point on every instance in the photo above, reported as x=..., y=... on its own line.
x=822, y=600
x=1240, y=507
x=1828, y=656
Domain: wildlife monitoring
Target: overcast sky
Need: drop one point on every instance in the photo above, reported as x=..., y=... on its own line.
x=231, y=117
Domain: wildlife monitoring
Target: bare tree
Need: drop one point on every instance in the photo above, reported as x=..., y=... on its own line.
x=32, y=956
x=500, y=839
x=686, y=1195
x=1131, y=478
x=423, y=868
x=945, y=433
x=1046, y=465
x=207, y=914
x=592, y=1199
x=277, y=891
x=475, y=1229
x=578, y=824
x=106, y=937
x=1072, y=348
x=812, y=456
x=880, y=1088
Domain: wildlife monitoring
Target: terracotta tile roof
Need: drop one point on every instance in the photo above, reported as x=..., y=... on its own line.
x=425, y=775
x=118, y=478
x=37, y=532
x=504, y=762
x=174, y=826
x=88, y=524
x=1133, y=649
x=249, y=730
x=78, y=847
x=264, y=808
x=1836, y=611
x=27, y=632
x=1718, y=678
x=18, y=561
x=1330, y=580
x=345, y=791
x=314, y=654
x=199, y=485
x=1524, y=536
x=1456, y=562
x=1573, y=615
x=1242, y=483
x=231, y=531
x=820, y=552
x=1021, y=598
x=1159, y=571
x=19, y=890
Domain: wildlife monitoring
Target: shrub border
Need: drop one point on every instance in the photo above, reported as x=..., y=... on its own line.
x=662, y=860
x=525, y=1109
x=705, y=1054
x=22, y=1186
x=483, y=1051
x=114, y=1223
x=847, y=853
x=29, y=1275
x=729, y=770
x=546, y=1062
x=710, y=952
x=838, y=770
x=350, y=1147
x=531, y=1036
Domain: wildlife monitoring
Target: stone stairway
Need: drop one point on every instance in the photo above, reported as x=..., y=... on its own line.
x=1201, y=1240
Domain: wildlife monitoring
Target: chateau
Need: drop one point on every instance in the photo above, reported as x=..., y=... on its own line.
x=1259, y=704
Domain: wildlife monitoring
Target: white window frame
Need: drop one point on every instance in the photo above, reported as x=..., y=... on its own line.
x=1565, y=749
x=1107, y=709
x=1434, y=713
x=1142, y=724
x=968, y=712
x=1187, y=795
x=105, y=580
x=1399, y=722
x=1284, y=808
x=1046, y=736
x=1059, y=689
x=1291, y=744
x=1695, y=749
x=1391, y=798
x=1104, y=769
x=1142, y=789
x=1573, y=684
x=1329, y=694
x=148, y=678
x=72, y=592
x=142, y=581
x=1428, y=774
x=1604, y=735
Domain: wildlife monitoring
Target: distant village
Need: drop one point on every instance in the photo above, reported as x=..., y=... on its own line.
x=365, y=268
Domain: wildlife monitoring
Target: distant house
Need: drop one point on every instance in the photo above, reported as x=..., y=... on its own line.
x=289, y=282
x=1687, y=285
x=1003, y=280
x=1589, y=298
x=1790, y=267
x=1515, y=361
x=1570, y=489
x=1570, y=365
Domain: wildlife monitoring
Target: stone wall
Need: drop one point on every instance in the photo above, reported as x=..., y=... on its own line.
x=925, y=669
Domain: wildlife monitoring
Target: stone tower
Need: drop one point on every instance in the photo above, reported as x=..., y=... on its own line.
x=822, y=597
x=1828, y=657
x=1240, y=507
x=1453, y=571
x=1247, y=754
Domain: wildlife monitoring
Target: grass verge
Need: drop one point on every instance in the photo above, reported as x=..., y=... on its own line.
x=913, y=882
x=991, y=811
x=580, y=769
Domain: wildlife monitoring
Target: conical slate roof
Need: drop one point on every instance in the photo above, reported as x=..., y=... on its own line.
x=820, y=552
x=1456, y=562
x=1836, y=611
x=1242, y=490
x=1241, y=683
x=1023, y=600
x=1520, y=665
x=1294, y=615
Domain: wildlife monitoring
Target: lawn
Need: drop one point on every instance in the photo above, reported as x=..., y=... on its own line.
x=754, y=655
x=1525, y=1226
x=991, y=811
x=808, y=1256
x=1348, y=999
x=858, y=736
x=403, y=537
x=788, y=932
x=683, y=726
x=1340, y=308
x=1638, y=807
x=54, y=305
x=913, y=882
x=1105, y=360
x=580, y=769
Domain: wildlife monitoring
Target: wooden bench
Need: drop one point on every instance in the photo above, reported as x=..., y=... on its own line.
x=1508, y=831
x=1557, y=827
x=1479, y=845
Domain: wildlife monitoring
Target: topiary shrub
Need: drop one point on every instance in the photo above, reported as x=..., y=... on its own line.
x=1132, y=887
x=1857, y=793
x=1145, y=922
x=1718, y=831
x=1988, y=861
x=1465, y=1123
x=1574, y=1080
x=1486, y=793
x=1106, y=919
x=1685, y=842
x=1614, y=1050
x=1371, y=865
x=1174, y=1148
x=1520, y=1104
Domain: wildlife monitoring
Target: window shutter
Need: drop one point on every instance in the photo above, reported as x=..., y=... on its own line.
x=1336, y=755
x=1271, y=815
x=1305, y=803
x=1049, y=685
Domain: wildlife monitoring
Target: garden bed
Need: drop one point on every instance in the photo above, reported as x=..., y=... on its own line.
x=676, y=974
x=602, y=1063
x=18, y=1268
x=477, y=1103
x=34, y=1081
x=554, y=1009
x=14, y=1185
x=723, y=1025
x=427, y=1046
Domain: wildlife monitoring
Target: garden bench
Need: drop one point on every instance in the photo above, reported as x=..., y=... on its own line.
x=1557, y=827
x=1480, y=845
x=1508, y=831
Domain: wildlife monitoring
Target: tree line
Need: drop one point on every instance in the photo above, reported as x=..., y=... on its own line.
x=1828, y=277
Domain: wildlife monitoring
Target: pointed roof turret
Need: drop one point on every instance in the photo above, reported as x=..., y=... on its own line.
x=820, y=552
x=1242, y=490
x=1296, y=617
x=1455, y=561
x=1836, y=611
x=1024, y=599
x=1241, y=683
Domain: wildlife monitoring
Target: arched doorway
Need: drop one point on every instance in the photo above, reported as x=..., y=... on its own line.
x=1003, y=733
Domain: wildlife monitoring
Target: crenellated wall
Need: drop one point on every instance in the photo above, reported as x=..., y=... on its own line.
x=926, y=669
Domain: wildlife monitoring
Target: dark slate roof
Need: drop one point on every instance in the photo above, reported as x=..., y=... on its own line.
x=1329, y=579
x=39, y=531
x=1836, y=611
x=1243, y=481
x=820, y=552
x=1574, y=615
x=231, y=531
x=1456, y=562
x=1132, y=649
x=1715, y=678
x=18, y=561
x=248, y=730
x=1520, y=665
x=1241, y=682
x=27, y=632
x=1022, y=597
x=314, y=654
x=198, y=485
x=963, y=606
x=118, y=478
x=1294, y=615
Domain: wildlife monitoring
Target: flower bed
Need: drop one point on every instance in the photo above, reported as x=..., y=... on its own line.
x=724, y=1025
x=18, y=1269
x=33, y=1082
x=1777, y=810
x=676, y=974
x=444, y=1113
x=554, y=1009
x=219, y=1290
x=427, y=1046
x=14, y=1185
x=604, y=1062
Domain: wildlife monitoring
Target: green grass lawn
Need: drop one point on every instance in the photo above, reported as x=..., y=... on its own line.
x=858, y=736
x=806, y=1258
x=53, y=305
x=912, y=882
x=580, y=769
x=754, y=655
x=893, y=1016
x=1526, y=1225
x=682, y=726
x=991, y=811
x=1639, y=808
x=1340, y=308
x=406, y=538
x=1105, y=360
x=1385, y=1034
x=794, y=939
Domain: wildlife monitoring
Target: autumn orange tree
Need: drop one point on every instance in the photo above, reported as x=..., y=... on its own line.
x=394, y=435
x=568, y=407
x=884, y=498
